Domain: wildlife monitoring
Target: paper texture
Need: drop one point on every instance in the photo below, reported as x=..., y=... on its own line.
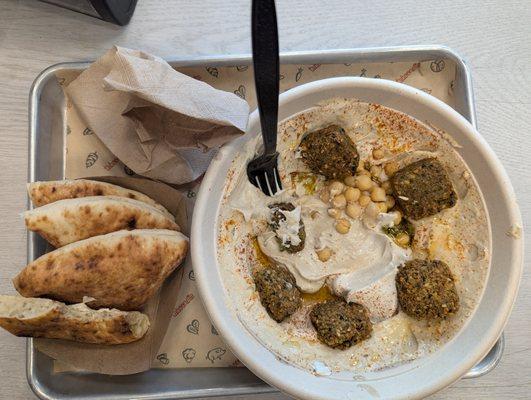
x=156, y=120
x=137, y=356
x=190, y=337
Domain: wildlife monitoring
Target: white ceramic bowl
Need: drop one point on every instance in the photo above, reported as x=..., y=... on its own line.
x=420, y=377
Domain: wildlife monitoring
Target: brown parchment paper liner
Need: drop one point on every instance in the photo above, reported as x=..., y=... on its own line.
x=191, y=340
x=156, y=120
x=137, y=356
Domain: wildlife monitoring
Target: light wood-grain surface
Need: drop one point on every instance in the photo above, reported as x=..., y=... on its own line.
x=493, y=36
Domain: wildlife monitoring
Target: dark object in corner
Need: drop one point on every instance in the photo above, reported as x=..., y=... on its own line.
x=118, y=12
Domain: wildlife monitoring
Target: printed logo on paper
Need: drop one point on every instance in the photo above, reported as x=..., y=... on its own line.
x=128, y=171
x=213, y=71
x=215, y=354
x=193, y=327
x=179, y=309
x=191, y=275
x=110, y=164
x=437, y=65
x=91, y=159
x=163, y=358
x=188, y=355
x=298, y=75
x=240, y=92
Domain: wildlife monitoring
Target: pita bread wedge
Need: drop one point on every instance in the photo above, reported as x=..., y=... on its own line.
x=121, y=269
x=42, y=193
x=51, y=319
x=67, y=221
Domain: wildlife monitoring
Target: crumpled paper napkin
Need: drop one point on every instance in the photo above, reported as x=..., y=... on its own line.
x=159, y=122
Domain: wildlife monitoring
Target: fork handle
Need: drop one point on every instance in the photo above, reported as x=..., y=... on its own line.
x=266, y=69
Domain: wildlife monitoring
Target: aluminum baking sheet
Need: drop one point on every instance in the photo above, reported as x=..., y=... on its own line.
x=47, y=127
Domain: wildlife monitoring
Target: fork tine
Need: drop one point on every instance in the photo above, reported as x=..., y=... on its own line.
x=263, y=173
x=272, y=181
x=268, y=183
x=258, y=183
x=261, y=180
x=278, y=182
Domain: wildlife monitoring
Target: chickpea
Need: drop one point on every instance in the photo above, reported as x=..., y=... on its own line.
x=363, y=182
x=334, y=213
x=390, y=168
x=352, y=194
x=387, y=187
x=339, y=201
x=325, y=196
x=390, y=202
x=342, y=226
x=364, y=172
x=364, y=200
x=324, y=254
x=336, y=188
x=372, y=210
x=397, y=217
x=378, y=154
x=382, y=207
x=376, y=171
x=353, y=210
x=402, y=239
x=350, y=181
x=377, y=194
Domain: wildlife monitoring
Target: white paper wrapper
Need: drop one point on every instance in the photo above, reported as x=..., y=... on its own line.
x=156, y=120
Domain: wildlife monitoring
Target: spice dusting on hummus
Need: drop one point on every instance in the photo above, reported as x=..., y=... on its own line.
x=374, y=254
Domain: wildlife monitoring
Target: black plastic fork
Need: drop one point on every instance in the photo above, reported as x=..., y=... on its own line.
x=263, y=170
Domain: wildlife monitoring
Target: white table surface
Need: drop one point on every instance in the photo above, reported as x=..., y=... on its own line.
x=493, y=36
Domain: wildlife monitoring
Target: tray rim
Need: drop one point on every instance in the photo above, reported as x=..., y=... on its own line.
x=370, y=55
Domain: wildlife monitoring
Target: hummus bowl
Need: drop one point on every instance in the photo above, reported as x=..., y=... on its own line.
x=420, y=376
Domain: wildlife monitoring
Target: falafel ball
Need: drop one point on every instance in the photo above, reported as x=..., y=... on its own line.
x=423, y=188
x=278, y=291
x=426, y=289
x=276, y=217
x=330, y=152
x=340, y=324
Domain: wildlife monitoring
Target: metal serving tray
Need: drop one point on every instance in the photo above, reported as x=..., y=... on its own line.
x=47, y=128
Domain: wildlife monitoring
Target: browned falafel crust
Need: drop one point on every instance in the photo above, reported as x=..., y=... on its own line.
x=426, y=289
x=340, y=324
x=423, y=188
x=278, y=291
x=330, y=152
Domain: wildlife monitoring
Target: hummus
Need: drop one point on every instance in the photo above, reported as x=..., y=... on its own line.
x=364, y=260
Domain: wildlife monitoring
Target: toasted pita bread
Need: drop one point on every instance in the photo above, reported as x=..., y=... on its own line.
x=121, y=269
x=67, y=221
x=42, y=193
x=51, y=319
